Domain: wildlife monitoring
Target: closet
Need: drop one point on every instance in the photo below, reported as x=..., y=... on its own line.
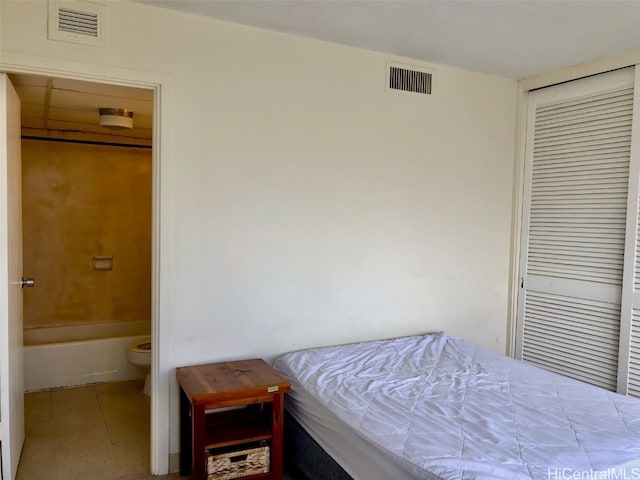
x=579, y=291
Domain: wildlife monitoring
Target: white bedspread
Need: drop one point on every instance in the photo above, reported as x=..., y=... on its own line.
x=453, y=410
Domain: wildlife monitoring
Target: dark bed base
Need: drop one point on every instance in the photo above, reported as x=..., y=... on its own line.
x=302, y=454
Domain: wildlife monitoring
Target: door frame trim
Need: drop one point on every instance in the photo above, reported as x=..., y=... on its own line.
x=630, y=295
x=161, y=84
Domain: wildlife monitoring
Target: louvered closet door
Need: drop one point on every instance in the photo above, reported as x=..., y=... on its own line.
x=574, y=222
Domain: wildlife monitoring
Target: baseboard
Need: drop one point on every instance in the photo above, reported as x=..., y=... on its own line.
x=174, y=462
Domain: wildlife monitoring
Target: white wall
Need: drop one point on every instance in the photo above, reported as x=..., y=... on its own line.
x=303, y=205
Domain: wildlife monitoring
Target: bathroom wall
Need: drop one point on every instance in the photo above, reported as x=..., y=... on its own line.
x=82, y=201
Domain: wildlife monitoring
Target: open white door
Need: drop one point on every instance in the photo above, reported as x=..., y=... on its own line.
x=11, y=364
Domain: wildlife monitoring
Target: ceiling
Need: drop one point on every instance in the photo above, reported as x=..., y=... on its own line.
x=510, y=38
x=63, y=105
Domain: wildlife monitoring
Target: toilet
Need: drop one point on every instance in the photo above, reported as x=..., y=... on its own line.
x=139, y=354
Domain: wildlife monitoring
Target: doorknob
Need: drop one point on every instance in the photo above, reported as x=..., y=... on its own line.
x=28, y=282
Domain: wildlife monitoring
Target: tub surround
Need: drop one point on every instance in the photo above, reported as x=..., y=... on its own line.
x=87, y=231
x=86, y=202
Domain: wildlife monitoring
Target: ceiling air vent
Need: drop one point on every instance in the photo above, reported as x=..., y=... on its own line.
x=76, y=22
x=405, y=78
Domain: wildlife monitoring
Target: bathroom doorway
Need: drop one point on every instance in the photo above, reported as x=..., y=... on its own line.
x=87, y=222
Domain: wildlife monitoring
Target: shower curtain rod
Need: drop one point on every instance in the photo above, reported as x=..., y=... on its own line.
x=86, y=142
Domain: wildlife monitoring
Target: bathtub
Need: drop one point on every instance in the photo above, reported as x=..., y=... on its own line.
x=72, y=355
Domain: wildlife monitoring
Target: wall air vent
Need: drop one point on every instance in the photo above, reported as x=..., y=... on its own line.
x=411, y=79
x=82, y=23
x=76, y=22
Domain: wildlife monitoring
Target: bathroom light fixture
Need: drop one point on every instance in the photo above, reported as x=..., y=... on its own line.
x=116, y=118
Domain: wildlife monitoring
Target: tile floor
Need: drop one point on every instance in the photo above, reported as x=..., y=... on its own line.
x=97, y=432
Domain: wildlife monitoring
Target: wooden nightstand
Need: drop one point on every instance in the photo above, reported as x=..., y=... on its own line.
x=207, y=424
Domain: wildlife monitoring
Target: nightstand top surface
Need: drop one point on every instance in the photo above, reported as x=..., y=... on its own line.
x=242, y=379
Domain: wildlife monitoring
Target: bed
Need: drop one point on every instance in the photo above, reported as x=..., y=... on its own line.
x=438, y=407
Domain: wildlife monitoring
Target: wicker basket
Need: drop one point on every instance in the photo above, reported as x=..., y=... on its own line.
x=238, y=464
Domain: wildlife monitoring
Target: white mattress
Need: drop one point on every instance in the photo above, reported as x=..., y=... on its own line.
x=437, y=407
